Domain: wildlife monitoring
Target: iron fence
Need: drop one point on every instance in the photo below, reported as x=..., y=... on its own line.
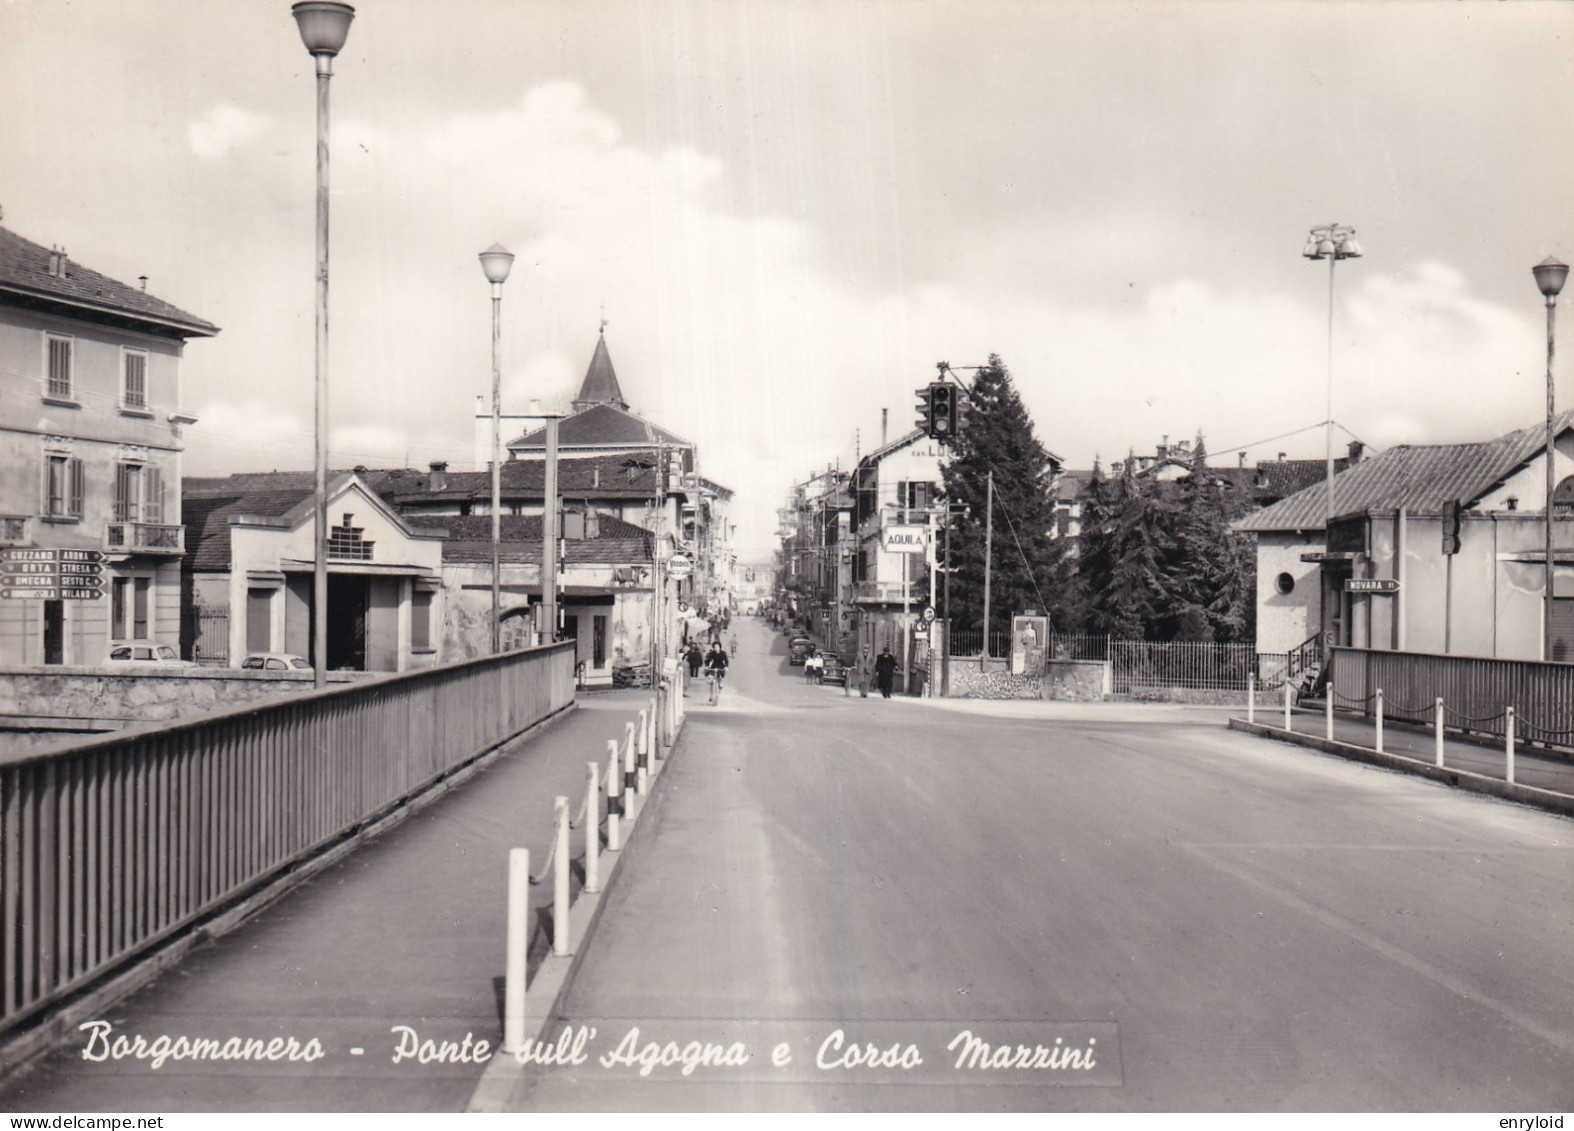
x=1141, y=665
x=111, y=846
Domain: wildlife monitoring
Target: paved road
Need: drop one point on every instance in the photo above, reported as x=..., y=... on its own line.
x=1239, y=924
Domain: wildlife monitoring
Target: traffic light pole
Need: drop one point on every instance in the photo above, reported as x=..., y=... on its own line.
x=945, y=636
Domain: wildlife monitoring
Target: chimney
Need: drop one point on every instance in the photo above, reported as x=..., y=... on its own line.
x=1243, y=460
x=1356, y=449
x=54, y=262
x=595, y=477
x=437, y=475
x=1281, y=457
x=1164, y=447
x=142, y=282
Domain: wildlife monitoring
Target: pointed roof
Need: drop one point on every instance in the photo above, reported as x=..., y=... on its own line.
x=604, y=426
x=1421, y=478
x=601, y=380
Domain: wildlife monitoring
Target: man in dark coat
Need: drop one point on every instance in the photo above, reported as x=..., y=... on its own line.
x=695, y=658
x=884, y=671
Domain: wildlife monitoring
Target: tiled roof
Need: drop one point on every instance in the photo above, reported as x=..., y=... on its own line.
x=469, y=540
x=604, y=426
x=206, y=506
x=630, y=475
x=25, y=277
x=601, y=380
x=1421, y=478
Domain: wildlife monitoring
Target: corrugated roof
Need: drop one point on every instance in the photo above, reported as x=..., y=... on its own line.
x=25, y=275
x=1421, y=478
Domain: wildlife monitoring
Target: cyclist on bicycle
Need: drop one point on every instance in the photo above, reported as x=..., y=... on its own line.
x=716, y=669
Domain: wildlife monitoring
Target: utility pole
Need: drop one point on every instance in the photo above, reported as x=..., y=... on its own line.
x=989, y=548
x=945, y=635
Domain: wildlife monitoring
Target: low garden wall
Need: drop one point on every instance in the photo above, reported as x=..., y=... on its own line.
x=89, y=700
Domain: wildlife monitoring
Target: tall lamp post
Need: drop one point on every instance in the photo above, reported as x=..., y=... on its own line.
x=1332, y=242
x=324, y=26
x=1549, y=277
x=495, y=263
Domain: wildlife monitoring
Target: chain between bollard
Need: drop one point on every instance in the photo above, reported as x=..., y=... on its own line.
x=546, y=866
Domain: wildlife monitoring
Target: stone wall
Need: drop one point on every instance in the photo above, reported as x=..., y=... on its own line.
x=1076, y=680
x=85, y=699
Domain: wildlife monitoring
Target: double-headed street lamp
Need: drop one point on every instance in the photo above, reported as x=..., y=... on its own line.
x=324, y=26
x=495, y=263
x=1549, y=277
x=1332, y=242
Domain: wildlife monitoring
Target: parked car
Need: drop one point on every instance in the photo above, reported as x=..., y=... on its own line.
x=276, y=662
x=149, y=655
x=798, y=649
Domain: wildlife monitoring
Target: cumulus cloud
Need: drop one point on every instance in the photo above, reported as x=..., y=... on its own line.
x=223, y=129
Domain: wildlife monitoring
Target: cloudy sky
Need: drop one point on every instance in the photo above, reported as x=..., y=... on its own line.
x=789, y=210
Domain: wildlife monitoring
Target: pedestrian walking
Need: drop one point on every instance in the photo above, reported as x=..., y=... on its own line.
x=865, y=672
x=695, y=658
x=885, y=671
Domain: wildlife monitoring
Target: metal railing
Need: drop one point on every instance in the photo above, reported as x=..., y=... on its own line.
x=146, y=537
x=109, y=847
x=1477, y=690
x=1141, y=665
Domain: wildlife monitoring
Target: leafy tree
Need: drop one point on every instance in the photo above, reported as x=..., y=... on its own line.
x=1029, y=569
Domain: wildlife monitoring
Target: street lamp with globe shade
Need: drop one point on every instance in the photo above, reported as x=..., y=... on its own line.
x=1550, y=275
x=495, y=264
x=324, y=26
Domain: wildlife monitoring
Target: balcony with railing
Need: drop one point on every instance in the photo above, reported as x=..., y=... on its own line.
x=145, y=538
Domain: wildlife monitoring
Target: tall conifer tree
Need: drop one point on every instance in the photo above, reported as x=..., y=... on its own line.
x=1028, y=562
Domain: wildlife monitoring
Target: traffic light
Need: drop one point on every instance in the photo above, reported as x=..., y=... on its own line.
x=926, y=415
x=942, y=411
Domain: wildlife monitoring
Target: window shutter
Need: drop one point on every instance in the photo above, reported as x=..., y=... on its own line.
x=153, y=495
x=122, y=492
x=74, y=476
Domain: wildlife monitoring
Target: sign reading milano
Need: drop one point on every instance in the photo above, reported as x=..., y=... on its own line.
x=51, y=575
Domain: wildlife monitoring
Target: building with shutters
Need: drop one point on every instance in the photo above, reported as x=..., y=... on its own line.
x=1433, y=548
x=90, y=447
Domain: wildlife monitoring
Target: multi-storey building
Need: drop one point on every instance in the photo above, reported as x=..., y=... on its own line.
x=91, y=417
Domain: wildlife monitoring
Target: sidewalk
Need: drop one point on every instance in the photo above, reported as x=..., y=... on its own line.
x=1543, y=779
x=399, y=943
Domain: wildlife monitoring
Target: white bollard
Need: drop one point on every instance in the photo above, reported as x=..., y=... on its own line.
x=614, y=798
x=593, y=830
x=1437, y=716
x=630, y=782
x=1508, y=741
x=1328, y=713
x=1287, y=703
x=1251, y=697
x=560, y=939
x=1379, y=720
x=642, y=782
x=517, y=941
x=643, y=731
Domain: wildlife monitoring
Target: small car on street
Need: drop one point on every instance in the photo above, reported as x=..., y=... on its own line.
x=276, y=662
x=798, y=650
x=148, y=655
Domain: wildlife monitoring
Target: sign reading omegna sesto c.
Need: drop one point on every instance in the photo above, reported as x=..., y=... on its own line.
x=51, y=575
